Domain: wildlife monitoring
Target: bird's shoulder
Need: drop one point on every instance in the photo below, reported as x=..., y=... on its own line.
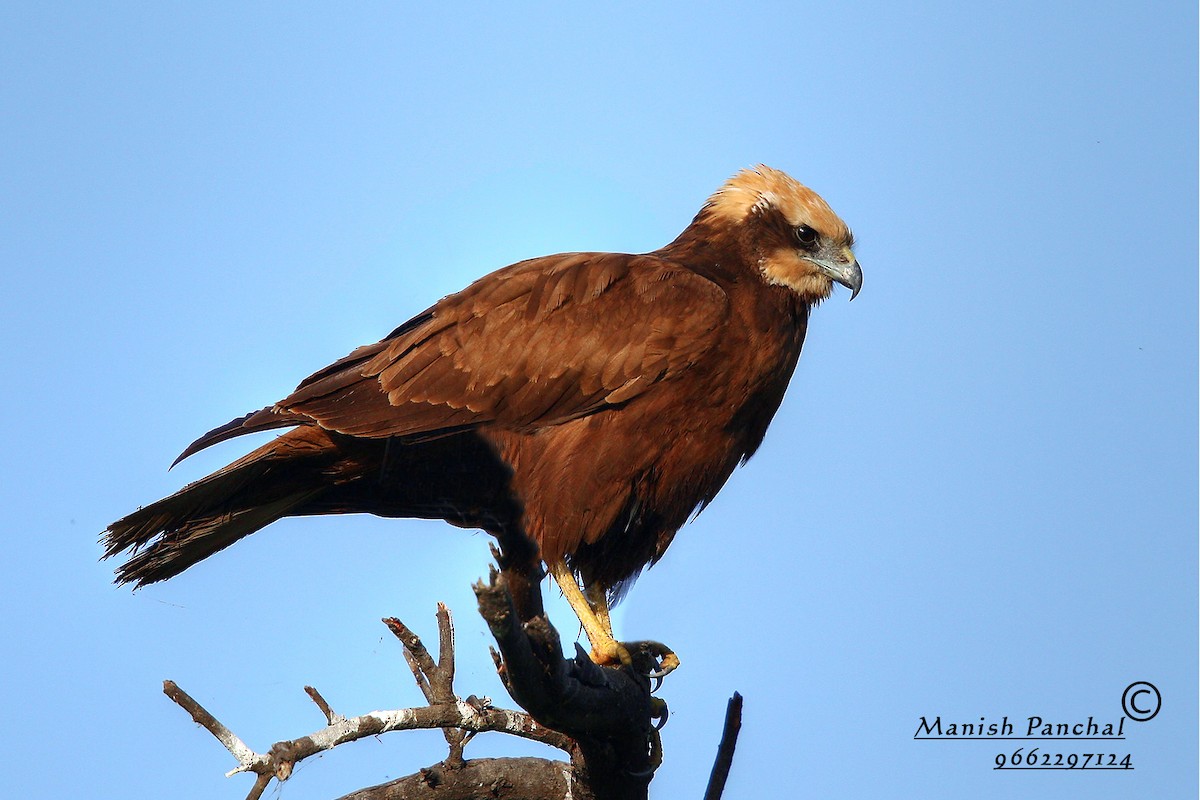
x=559, y=286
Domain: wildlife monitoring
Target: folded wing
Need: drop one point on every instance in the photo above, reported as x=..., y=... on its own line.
x=536, y=344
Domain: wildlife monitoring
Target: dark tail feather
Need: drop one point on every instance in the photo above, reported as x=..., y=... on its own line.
x=264, y=419
x=167, y=537
x=177, y=549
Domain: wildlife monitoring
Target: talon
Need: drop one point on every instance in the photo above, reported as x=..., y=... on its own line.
x=659, y=711
x=656, y=750
x=654, y=741
x=611, y=653
x=668, y=662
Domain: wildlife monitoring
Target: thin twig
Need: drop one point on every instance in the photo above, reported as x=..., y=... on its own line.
x=443, y=683
x=284, y=755
x=445, y=652
x=436, y=681
x=233, y=744
x=446, y=711
x=418, y=658
x=331, y=716
x=720, y=770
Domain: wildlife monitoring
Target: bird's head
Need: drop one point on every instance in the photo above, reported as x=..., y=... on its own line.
x=788, y=231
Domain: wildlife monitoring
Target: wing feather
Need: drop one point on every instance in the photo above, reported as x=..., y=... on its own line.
x=535, y=344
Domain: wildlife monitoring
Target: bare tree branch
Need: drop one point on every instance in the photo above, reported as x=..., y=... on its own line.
x=260, y=786
x=331, y=716
x=283, y=755
x=724, y=761
x=604, y=718
x=454, y=716
x=418, y=658
x=233, y=744
x=445, y=650
x=491, y=778
x=436, y=681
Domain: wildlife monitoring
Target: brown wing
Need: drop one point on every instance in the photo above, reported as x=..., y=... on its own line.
x=535, y=344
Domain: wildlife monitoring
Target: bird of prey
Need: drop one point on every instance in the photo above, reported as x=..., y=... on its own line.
x=587, y=402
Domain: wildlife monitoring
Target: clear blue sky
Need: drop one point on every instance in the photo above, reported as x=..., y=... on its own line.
x=978, y=499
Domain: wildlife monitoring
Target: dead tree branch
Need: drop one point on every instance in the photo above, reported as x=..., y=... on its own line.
x=490, y=778
x=435, y=680
x=456, y=717
x=604, y=718
x=720, y=770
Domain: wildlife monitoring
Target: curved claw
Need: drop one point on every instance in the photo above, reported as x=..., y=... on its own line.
x=656, y=749
x=656, y=757
x=668, y=662
x=659, y=711
x=612, y=653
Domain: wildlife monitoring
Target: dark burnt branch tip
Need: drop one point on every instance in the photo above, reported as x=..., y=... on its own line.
x=607, y=711
x=724, y=760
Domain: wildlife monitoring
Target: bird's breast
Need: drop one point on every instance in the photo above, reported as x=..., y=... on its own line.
x=634, y=472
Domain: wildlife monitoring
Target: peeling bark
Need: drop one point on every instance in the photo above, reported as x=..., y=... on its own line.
x=603, y=718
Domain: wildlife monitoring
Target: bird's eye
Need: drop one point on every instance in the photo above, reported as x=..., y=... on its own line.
x=806, y=236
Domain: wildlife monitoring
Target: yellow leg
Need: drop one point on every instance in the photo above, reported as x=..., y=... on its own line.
x=597, y=626
x=592, y=610
x=598, y=599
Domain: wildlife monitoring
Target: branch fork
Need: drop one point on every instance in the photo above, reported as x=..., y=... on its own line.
x=458, y=719
x=603, y=718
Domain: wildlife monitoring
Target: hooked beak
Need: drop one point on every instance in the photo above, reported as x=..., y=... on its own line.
x=846, y=272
